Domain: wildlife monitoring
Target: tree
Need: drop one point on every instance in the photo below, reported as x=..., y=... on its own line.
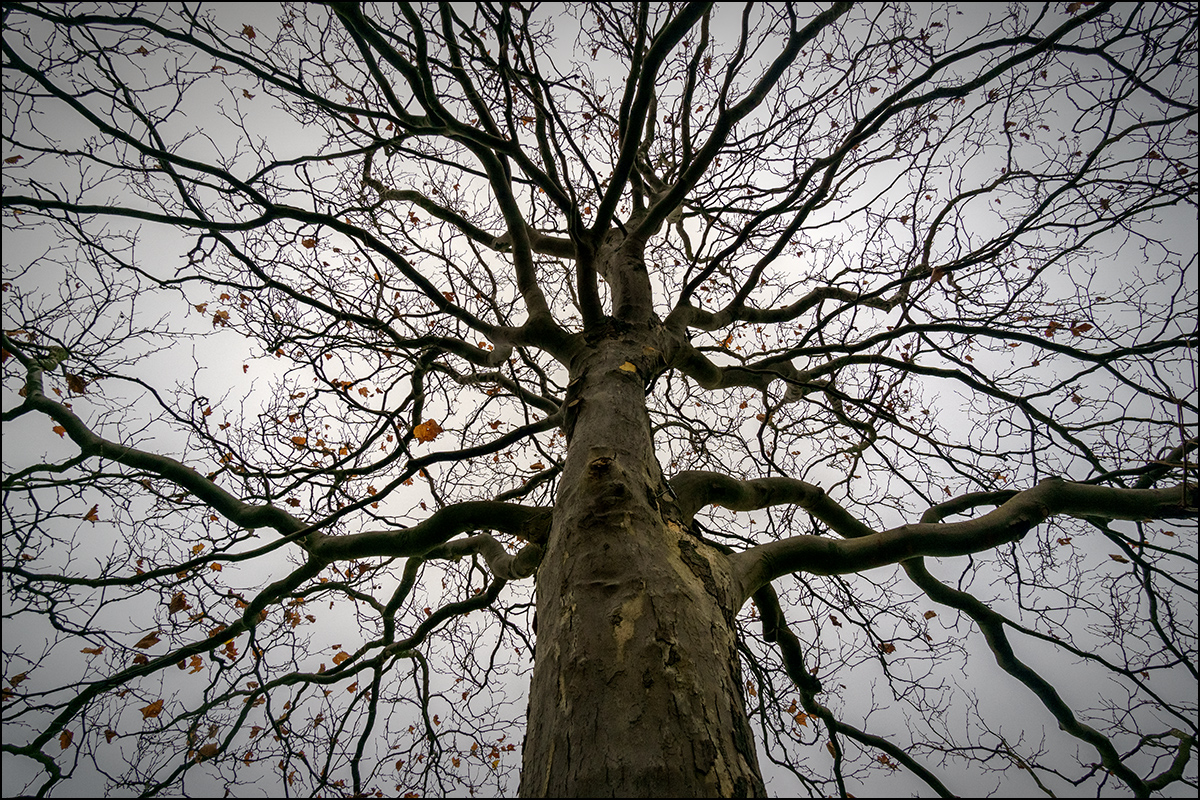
x=771, y=370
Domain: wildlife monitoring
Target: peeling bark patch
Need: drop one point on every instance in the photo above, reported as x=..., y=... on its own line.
x=624, y=619
x=599, y=467
x=700, y=567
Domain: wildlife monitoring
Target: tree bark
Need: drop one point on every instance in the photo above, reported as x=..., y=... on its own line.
x=637, y=687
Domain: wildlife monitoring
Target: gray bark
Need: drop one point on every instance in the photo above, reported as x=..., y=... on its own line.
x=637, y=687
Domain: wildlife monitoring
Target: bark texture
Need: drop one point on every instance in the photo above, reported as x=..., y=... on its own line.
x=636, y=688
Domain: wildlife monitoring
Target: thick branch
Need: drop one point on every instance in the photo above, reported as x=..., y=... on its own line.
x=524, y=521
x=1008, y=523
x=695, y=490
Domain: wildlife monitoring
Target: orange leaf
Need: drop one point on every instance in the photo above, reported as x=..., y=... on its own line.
x=299, y=441
x=64, y=739
x=215, y=567
x=92, y=516
x=152, y=710
x=60, y=430
x=427, y=431
x=196, y=665
x=340, y=657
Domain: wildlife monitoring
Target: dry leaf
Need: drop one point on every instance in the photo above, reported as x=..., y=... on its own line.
x=64, y=739
x=152, y=710
x=207, y=751
x=148, y=641
x=92, y=516
x=78, y=385
x=178, y=603
x=93, y=651
x=628, y=367
x=427, y=431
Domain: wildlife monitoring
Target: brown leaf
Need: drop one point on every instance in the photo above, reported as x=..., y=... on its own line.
x=1118, y=559
x=178, y=603
x=152, y=710
x=76, y=384
x=60, y=430
x=13, y=159
x=340, y=657
x=64, y=739
x=427, y=431
x=209, y=750
x=148, y=641
x=834, y=620
x=248, y=31
x=309, y=243
x=93, y=651
x=109, y=735
x=92, y=516
x=196, y=665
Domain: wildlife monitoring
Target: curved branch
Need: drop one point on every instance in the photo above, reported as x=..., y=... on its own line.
x=527, y=522
x=503, y=564
x=695, y=489
x=1008, y=523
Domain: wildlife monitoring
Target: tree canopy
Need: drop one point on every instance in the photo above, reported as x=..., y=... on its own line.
x=858, y=341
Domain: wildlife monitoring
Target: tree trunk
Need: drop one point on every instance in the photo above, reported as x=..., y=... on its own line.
x=636, y=685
